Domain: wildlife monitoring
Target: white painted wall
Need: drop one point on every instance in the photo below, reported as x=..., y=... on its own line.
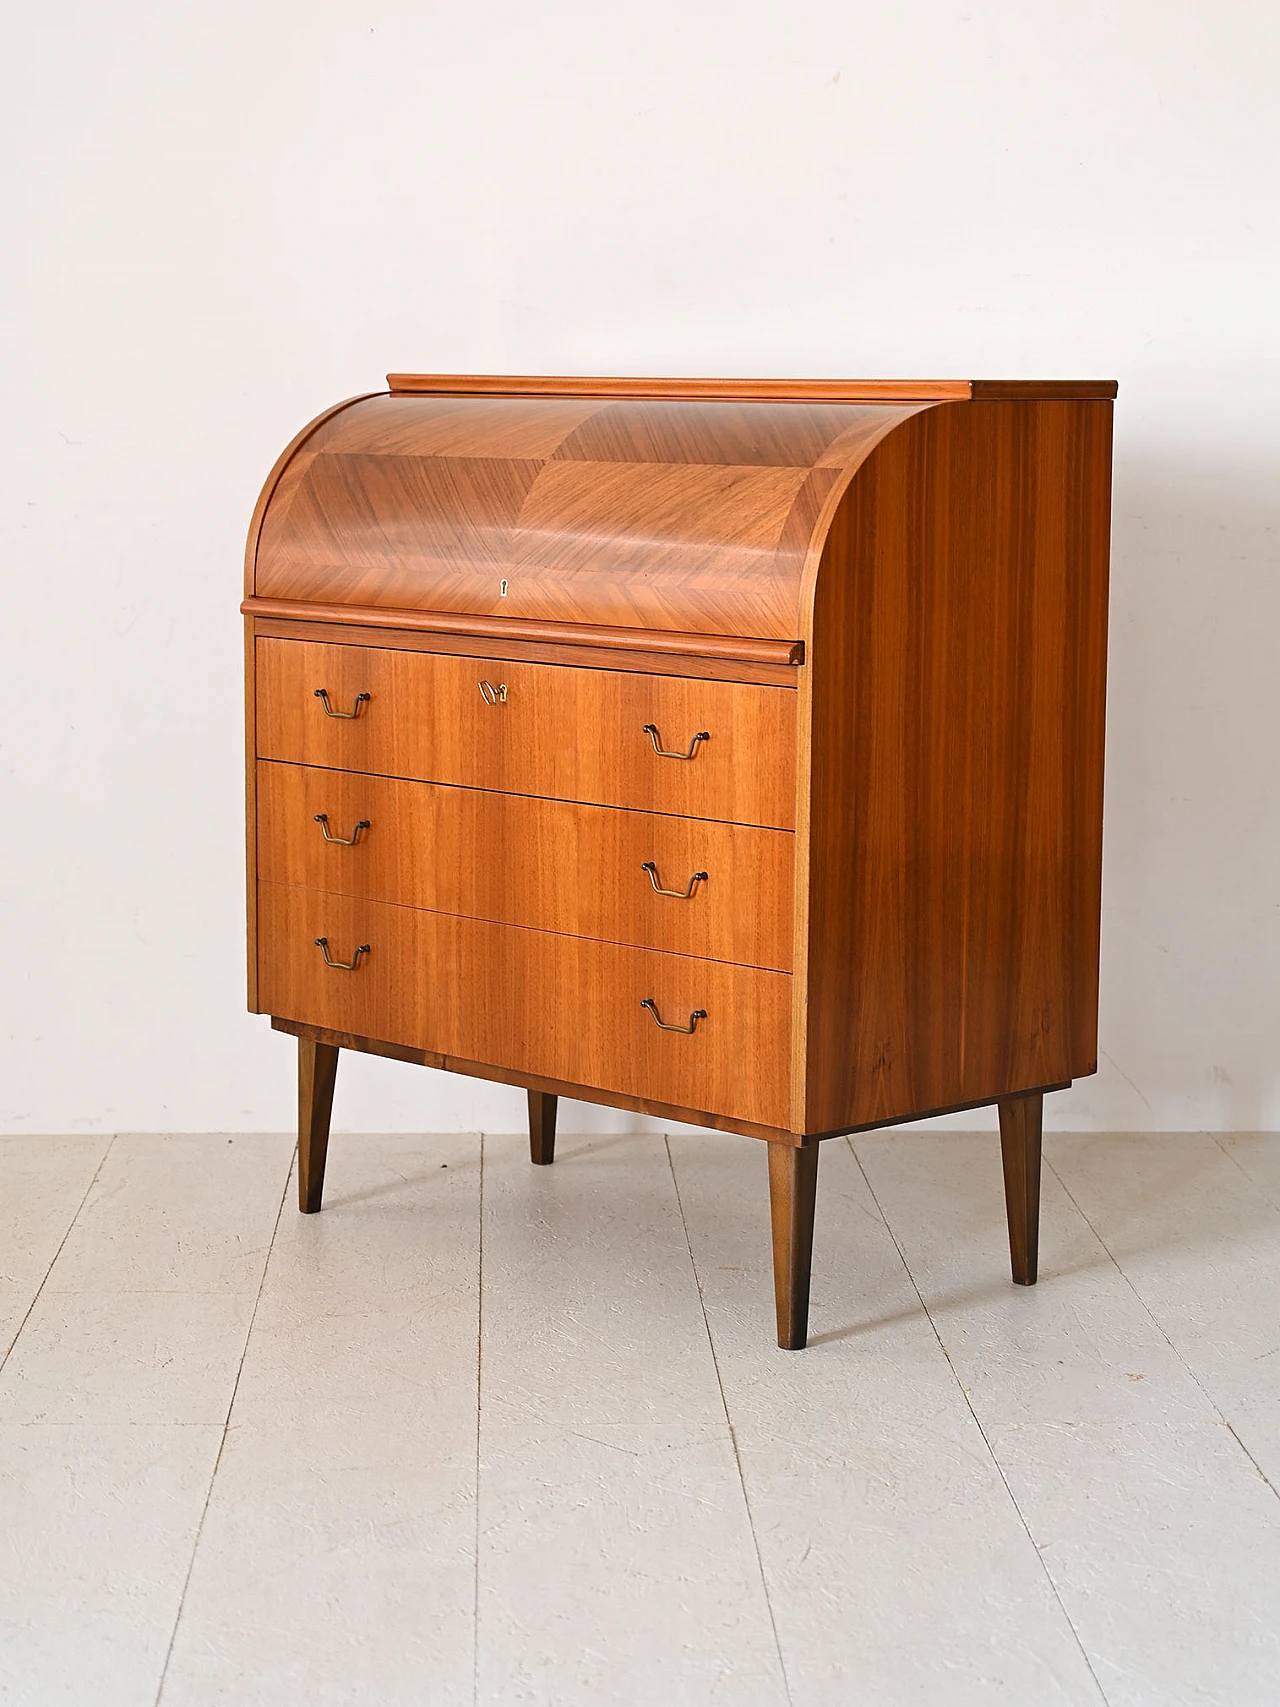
x=224, y=217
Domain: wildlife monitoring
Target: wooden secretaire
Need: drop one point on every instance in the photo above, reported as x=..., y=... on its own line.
x=726, y=750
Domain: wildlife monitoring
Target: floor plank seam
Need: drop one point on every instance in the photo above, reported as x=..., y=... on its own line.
x=44, y=1279
x=728, y=1421
x=1239, y=1165
x=977, y=1423
x=1158, y=1326
x=475, y=1623
x=226, y=1425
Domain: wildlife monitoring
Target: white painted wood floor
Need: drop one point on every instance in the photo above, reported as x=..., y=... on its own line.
x=489, y=1433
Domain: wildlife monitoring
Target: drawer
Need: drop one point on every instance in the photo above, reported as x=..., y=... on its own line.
x=515, y=859
x=558, y=1007
x=546, y=729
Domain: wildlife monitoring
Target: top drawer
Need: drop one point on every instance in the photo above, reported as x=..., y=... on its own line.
x=545, y=729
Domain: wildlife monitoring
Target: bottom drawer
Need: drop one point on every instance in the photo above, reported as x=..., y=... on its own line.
x=559, y=1007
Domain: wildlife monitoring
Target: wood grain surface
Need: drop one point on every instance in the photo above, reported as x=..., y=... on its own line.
x=950, y=820
x=564, y=733
x=317, y=1076
x=537, y=1003
x=717, y=666
x=773, y=390
x=250, y=818
x=793, y=1183
x=1021, y=1134
x=615, y=640
x=542, y=1128
x=489, y=1070
x=943, y=565
x=534, y=1081
x=685, y=516
x=282, y=462
x=547, y=864
x=726, y=751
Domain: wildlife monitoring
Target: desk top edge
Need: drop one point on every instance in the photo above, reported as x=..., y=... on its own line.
x=757, y=390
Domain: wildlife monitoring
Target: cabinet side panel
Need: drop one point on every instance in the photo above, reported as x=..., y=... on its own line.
x=954, y=854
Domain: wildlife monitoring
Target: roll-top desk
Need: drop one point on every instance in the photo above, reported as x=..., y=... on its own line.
x=729, y=751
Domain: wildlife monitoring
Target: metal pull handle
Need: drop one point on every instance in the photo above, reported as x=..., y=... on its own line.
x=651, y=730
x=679, y=894
x=322, y=694
x=688, y=1030
x=322, y=818
x=493, y=695
x=322, y=943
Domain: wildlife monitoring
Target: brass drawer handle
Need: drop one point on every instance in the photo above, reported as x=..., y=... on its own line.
x=322, y=818
x=322, y=694
x=688, y=1030
x=322, y=943
x=651, y=730
x=679, y=894
x=493, y=695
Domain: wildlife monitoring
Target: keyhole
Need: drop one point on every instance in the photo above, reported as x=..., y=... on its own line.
x=502, y=589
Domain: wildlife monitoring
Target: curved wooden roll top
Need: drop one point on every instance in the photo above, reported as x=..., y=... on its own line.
x=655, y=514
x=606, y=505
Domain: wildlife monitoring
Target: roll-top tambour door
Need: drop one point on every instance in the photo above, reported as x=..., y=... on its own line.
x=706, y=749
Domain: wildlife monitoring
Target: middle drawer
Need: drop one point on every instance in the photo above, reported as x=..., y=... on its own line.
x=591, y=871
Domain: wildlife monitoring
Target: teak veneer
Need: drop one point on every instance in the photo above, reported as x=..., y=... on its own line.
x=563, y=733
x=729, y=750
x=535, y=852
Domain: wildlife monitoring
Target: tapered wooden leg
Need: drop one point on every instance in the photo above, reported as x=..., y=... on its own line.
x=793, y=1181
x=317, y=1070
x=542, y=1126
x=1021, y=1122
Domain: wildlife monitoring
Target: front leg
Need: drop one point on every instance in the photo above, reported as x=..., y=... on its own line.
x=793, y=1182
x=317, y=1071
x=542, y=1127
x=1021, y=1125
